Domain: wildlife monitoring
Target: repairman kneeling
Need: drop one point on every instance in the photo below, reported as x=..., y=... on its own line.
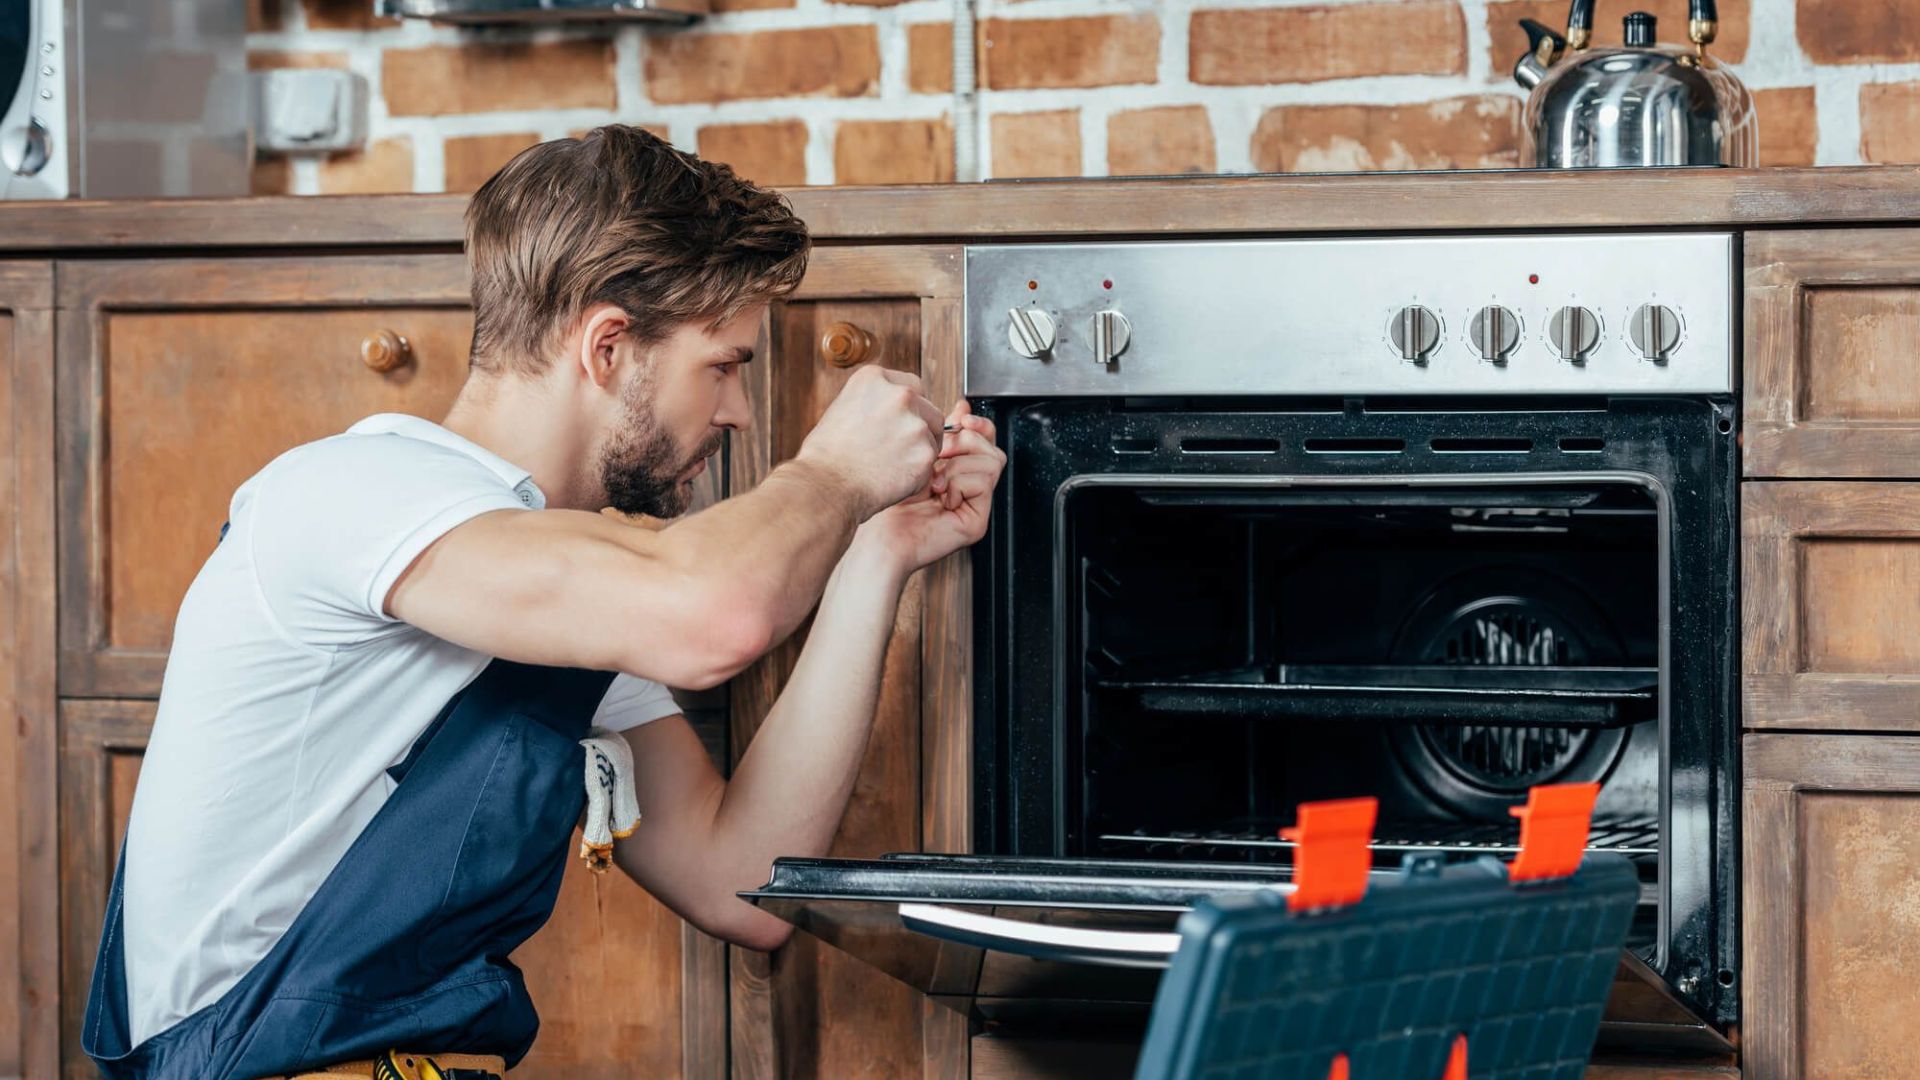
x=419, y=649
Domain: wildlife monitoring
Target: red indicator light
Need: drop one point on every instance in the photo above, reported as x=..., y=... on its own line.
x=1033, y=284
x=1107, y=284
x=1533, y=279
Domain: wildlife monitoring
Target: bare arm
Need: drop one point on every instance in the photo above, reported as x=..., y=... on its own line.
x=692, y=604
x=702, y=838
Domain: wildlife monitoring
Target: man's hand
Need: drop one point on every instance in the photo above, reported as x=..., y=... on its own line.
x=880, y=436
x=951, y=511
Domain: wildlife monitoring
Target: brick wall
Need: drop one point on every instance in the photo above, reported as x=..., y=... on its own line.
x=858, y=91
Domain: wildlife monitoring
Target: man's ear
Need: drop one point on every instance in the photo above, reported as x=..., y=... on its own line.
x=601, y=329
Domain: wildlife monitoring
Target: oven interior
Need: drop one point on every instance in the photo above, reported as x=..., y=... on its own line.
x=1238, y=648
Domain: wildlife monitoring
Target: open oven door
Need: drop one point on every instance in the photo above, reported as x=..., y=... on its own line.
x=1002, y=938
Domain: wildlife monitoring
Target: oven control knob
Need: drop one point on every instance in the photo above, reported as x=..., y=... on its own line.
x=1655, y=330
x=1575, y=332
x=1415, y=332
x=1495, y=332
x=1031, y=332
x=26, y=150
x=1111, y=332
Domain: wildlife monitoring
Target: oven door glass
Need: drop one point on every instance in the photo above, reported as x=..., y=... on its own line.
x=1007, y=939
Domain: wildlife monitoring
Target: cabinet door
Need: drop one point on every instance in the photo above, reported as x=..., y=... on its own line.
x=1833, y=353
x=1831, y=906
x=26, y=657
x=810, y=1010
x=180, y=379
x=1832, y=630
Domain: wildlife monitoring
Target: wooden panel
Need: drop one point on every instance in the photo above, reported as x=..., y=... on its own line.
x=101, y=743
x=1832, y=369
x=1861, y=360
x=605, y=974
x=26, y=357
x=1830, y=906
x=180, y=380
x=783, y=1003
x=1829, y=576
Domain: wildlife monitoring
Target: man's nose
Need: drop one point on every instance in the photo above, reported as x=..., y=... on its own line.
x=734, y=413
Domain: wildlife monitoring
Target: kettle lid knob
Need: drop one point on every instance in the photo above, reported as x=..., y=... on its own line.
x=1640, y=30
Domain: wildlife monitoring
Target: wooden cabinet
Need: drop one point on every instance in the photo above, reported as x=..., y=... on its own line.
x=1831, y=914
x=1831, y=599
x=811, y=1010
x=1830, y=576
x=26, y=668
x=180, y=379
x=1832, y=368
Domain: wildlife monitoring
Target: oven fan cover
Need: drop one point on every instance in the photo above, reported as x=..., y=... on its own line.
x=1509, y=618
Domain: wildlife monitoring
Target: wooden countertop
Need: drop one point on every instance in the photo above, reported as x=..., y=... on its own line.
x=1221, y=206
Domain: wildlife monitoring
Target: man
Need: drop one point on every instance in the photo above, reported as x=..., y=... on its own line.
x=366, y=766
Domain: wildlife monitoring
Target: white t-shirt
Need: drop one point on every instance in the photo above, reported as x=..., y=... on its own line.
x=289, y=693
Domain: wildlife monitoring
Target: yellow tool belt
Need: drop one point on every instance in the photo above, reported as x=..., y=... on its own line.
x=396, y=1065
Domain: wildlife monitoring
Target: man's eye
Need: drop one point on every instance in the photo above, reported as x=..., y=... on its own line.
x=727, y=368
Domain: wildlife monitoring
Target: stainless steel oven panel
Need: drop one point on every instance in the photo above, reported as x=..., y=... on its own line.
x=1318, y=317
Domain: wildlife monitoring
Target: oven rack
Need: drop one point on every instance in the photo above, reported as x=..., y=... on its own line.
x=1620, y=836
x=1457, y=694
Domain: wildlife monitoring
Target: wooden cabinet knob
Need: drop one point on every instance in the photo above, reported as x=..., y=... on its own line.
x=384, y=350
x=844, y=345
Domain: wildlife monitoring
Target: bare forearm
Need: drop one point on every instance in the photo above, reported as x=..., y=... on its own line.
x=791, y=788
x=772, y=548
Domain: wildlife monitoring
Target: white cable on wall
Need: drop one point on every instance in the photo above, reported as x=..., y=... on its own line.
x=966, y=105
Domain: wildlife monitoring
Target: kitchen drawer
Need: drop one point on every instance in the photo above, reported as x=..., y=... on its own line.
x=1833, y=353
x=1831, y=906
x=1831, y=605
x=178, y=379
x=624, y=987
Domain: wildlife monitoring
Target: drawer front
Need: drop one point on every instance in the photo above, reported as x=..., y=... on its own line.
x=180, y=379
x=1830, y=581
x=1832, y=366
x=1831, y=910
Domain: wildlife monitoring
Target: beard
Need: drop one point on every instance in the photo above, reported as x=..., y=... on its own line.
x=643, y=469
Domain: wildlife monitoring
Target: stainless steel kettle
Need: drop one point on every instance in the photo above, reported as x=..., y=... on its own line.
x=1640, y=104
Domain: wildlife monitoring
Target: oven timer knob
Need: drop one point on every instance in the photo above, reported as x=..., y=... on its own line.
x=1575, y=332
x=1031, y=332
x=1415, y=332
x=1655, y=330
x=1495, y=332
x=1111, y=333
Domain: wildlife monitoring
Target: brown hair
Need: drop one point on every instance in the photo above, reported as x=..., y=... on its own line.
x=619, y=216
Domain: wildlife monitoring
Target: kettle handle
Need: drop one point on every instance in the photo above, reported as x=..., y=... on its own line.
x=1703, y=21
x=1579, y=24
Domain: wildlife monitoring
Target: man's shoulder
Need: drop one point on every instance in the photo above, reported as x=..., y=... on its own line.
x=377, y=460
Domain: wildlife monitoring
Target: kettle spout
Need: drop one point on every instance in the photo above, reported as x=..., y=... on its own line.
x=1528, y=72
x=1544, y=47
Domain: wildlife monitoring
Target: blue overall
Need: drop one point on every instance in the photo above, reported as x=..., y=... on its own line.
x=405, y=944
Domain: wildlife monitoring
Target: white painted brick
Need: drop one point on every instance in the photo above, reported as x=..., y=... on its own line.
x=1774, y=59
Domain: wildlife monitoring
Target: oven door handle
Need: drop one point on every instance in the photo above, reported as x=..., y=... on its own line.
x=1068, y=944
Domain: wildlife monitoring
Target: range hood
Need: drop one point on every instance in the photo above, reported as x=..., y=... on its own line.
x=471, y=12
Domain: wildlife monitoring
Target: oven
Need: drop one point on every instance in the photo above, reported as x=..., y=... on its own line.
x=1431, y=519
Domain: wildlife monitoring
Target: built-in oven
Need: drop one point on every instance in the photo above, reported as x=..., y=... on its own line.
x=1433, y=520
